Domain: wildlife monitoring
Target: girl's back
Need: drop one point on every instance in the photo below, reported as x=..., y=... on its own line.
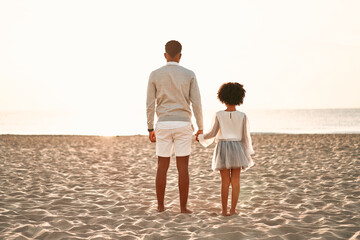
x=231, y=125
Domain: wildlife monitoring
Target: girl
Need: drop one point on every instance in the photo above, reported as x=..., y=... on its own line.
x=233, y=149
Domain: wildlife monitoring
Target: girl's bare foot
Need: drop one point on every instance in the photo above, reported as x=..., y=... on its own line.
x=185, y=211
x=225, y=214
x=232, y=212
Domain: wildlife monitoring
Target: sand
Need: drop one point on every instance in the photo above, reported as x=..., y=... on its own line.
x=88, y=187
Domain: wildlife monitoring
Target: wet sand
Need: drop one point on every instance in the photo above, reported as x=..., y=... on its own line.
x=88, y=187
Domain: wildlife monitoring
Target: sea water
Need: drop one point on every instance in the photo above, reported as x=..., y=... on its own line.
x=305, y=121
x=295, y=121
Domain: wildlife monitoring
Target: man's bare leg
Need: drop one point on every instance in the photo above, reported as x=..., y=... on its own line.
x=163, y=166
x=182, y=164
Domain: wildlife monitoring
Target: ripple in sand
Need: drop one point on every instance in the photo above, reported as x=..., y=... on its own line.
x=55, y=235
x=29, y=231
x=62, y=224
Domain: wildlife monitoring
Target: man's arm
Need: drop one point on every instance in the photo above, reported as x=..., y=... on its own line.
x=152, y=136
x=150, y=108
x=195, y=99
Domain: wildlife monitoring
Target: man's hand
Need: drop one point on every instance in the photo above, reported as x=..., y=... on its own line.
x=197, y=134
x=152, y=136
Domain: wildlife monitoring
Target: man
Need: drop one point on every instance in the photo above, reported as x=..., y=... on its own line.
x=171, y=89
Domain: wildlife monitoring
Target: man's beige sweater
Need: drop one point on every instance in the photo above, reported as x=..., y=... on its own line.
x=171, y=89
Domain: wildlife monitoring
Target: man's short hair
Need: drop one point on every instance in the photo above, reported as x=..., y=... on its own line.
x=173, y=47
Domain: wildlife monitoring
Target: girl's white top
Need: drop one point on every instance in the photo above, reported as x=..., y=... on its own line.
x=228, y=126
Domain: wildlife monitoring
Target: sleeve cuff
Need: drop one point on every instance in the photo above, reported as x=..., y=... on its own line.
x=205, y=142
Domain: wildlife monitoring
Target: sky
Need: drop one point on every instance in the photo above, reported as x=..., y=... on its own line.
x=96, y=56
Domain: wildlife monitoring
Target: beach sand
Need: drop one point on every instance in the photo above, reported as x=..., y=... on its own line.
x=88, y=187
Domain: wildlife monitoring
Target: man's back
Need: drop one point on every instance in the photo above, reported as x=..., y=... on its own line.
x=174, y=88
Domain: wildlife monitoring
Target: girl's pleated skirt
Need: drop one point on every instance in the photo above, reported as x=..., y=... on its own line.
x=231, y=154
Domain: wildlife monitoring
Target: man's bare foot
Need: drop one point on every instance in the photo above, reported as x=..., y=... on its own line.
x=161, y=208
x=225, y=214
x=185, y=211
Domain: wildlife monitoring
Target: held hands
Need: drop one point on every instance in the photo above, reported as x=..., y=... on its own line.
x=197, y=134
x=152, y=136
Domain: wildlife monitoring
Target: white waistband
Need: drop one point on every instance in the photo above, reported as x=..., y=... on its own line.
x=172, y=124
x=230, y=140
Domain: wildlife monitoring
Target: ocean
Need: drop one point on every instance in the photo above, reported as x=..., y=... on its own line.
x=303, y=121
x=295, y=121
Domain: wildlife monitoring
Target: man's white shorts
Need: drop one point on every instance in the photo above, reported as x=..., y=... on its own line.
x=176, y=139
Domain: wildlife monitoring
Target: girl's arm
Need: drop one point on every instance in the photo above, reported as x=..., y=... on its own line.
x=208, y=138
x=246, y=138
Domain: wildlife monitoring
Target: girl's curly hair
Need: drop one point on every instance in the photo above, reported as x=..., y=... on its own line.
x=231, y=93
